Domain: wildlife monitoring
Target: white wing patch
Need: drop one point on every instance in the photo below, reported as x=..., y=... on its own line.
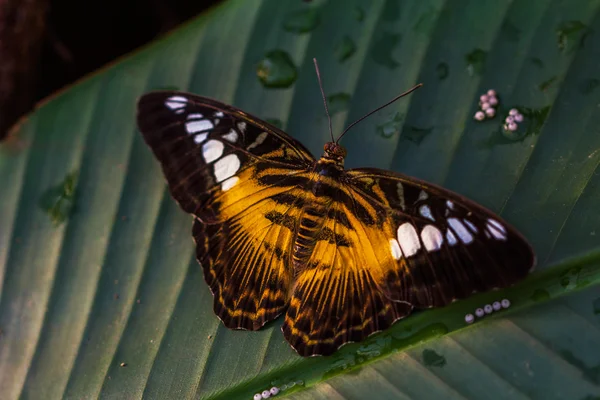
x=259, y=140
x=200, y=137
x=229, y=183
x=426, y=212
x=462, y=232
x=198, y=126
x=408, y=239
x=451, y=238
x=226, y=167
x=496, y=229
x=212, y=150
x=432, y=238
x=176, y=103
x=231, y=136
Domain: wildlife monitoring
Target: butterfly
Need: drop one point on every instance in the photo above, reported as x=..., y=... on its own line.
x=343, y=253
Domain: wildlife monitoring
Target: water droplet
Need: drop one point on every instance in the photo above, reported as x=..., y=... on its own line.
x=433, y=359
x=344, y=49
x=537, y=62
x=369, y=351
x=547, y=83
x=415, y=135
x=359, y=14
x=277, y=70
x=391, y=127
x=567, y=34
x=301, y=21
x=531, y=125
x=442, y=71
x=596, y=306
x=511, y=32
x=338, y=102
x=277, y=123
x=475, y=61
x=58, y=201
x=589, y=85
x=570, y=278
x=383, y=49
x=540, y=295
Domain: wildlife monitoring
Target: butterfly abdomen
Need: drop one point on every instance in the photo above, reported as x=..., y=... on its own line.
x=309, y=227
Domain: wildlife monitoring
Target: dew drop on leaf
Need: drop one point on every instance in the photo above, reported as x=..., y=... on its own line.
x=338, y=102
x=344, y=49
x=58, y=201
x=547, y=83
x=568, y=33
x=302, y=21
x=475, y=61
x=442, y=71
x=540, y=295
x=383, y=49
x=277, y=70
x=537, y=62
x=390, y=127
x=415, y=134
x=433, y=359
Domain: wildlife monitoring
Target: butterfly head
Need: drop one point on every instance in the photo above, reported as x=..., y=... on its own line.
x=334, y=152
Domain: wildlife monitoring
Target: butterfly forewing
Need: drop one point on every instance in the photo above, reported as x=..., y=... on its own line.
x=204, y=147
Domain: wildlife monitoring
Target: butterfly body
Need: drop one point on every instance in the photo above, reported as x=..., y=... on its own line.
x=343, y=253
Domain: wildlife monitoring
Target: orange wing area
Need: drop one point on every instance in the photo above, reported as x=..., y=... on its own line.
x=339, y=296
x=246, y=254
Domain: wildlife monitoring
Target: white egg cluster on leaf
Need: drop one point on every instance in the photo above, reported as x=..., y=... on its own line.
x=511, y=122
x=265, y=394
x=487, y=309
x=487, y=105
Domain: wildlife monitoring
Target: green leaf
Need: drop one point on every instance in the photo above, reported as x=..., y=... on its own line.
x=111, y=303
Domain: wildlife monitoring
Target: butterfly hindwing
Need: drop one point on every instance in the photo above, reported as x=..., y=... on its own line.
x=338, y=296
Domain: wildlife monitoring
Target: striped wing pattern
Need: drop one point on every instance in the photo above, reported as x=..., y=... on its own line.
x=344, y=255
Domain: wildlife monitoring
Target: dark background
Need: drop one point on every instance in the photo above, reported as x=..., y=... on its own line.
x=48, y=44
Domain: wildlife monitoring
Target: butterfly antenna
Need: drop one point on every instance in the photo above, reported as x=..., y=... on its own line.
x=379, y=108
x=324, y=98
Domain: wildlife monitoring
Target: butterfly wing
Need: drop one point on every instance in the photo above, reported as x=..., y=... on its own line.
x=452, y=246
x=230, y=170
x=395, y=243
